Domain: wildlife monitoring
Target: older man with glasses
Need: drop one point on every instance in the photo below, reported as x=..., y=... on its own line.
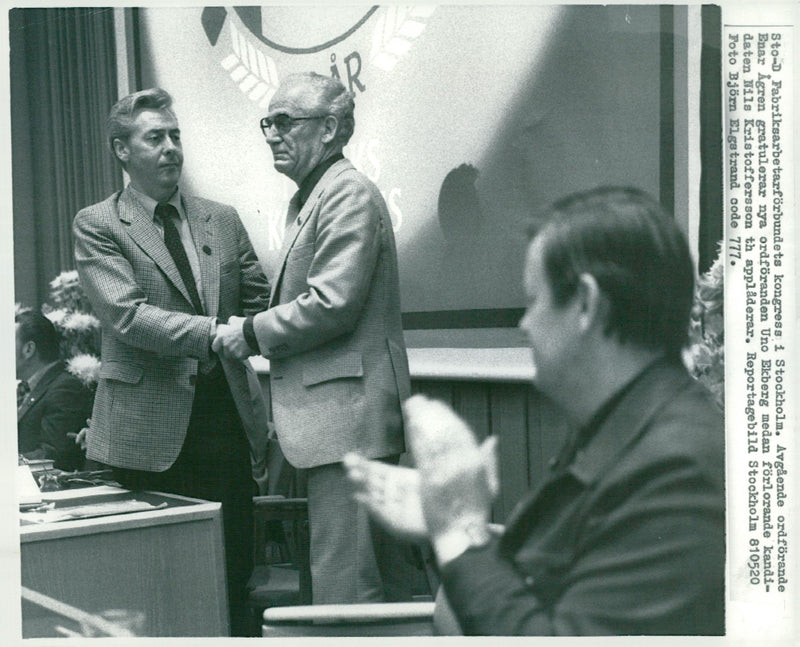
x=333, y=335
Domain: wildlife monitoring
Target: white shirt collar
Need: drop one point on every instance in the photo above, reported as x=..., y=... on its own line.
x=150, y=205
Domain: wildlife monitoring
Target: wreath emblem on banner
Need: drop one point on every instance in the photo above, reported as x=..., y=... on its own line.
x=256, y=72
x=395, y=31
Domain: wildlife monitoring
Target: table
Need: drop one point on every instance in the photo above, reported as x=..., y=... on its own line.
x=165, y=566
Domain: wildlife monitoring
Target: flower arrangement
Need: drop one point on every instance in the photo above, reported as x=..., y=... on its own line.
x=706, y=353
x=66, y=293
x=71, y=314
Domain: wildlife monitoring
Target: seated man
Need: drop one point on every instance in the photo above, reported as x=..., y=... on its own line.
x=52, y=404
x=626, y=533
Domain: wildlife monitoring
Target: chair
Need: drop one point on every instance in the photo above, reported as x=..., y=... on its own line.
x=375, y=619
x=281, y=577
x=282, y=574
x=379, y=619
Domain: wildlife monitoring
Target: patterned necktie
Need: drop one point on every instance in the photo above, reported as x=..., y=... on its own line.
x=167, y=213
x=23, y=388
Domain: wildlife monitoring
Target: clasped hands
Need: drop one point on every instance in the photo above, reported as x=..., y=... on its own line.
x=229, y=340
x=452, y=486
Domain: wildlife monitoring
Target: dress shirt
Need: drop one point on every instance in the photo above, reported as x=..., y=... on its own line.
x=310, y=181
x=33, y=380
x=184, y=231
x=305, y=189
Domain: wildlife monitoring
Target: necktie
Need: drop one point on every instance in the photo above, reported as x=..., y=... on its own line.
x=167, y=213
x=23, y=388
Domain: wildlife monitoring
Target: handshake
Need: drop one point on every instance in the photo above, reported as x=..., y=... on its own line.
x=229, y=340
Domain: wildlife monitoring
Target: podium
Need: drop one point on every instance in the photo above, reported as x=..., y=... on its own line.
x=164, y=566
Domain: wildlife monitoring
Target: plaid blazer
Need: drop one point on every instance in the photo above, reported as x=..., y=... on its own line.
x=153, y=341
x=333, y=334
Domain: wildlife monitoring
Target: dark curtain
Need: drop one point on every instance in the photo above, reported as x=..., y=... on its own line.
x=667, y=117
x=63, y=82
x=711, y=217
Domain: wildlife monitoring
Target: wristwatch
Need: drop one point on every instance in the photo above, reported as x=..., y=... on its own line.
x=452, y=543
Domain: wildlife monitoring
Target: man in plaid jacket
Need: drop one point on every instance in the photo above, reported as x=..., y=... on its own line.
x=163, y=270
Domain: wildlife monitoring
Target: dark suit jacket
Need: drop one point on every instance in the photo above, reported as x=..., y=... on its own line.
x=627, y=538
x=59, y=404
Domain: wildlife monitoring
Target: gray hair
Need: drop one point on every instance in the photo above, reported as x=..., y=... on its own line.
x=333, y=98
x=119, y=124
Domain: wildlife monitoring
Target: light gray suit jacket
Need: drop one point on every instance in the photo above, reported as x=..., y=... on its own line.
x=153, y=342
x=333, y=334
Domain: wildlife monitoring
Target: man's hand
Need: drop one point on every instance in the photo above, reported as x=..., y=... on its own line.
x=390, y=493
x=81, y=437
x=458, y=478
x=230, y=342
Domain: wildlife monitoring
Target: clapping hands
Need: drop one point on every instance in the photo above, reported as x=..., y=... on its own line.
x=391, y=493
x=454, y=483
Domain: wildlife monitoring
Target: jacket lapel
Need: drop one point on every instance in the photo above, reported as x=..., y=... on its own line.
x=39, y=390
x=202, y=227
x=142, y=229
x=296, y=224
x=290, y=233
x=658, y=385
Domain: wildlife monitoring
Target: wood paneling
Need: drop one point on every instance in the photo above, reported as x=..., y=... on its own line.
x=167, y=565
x=528, y=426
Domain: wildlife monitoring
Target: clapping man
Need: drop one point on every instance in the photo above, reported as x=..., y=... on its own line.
x=333, y=335
x=163, y=271
x=626, y=533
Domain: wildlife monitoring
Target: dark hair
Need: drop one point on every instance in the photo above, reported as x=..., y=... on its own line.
x=333, y=98
x=120, y=119
x=637, y=255
x=35, y=327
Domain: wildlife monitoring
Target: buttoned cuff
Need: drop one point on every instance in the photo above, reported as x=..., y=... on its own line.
x=249, y=332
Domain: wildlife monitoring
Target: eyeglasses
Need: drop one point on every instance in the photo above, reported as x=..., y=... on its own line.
x=283, y=123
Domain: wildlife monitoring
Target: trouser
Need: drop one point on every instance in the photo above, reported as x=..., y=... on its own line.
x=214, y=464
x=352, y=558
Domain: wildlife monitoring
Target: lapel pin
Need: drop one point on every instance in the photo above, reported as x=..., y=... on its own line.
x=207, y=249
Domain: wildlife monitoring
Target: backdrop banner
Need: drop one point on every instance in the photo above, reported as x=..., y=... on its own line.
x=468, y=118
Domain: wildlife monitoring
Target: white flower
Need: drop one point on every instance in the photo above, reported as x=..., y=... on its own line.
x=85, y=367
x=65, y=280
x=706, y=356
x=57, y=316
x=80, y=322
x=19, y=309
